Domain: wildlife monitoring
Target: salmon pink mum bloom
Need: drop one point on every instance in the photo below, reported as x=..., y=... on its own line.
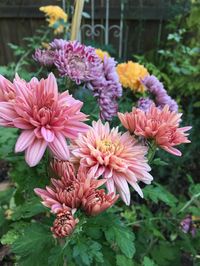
x=64, y=224
x=71, y=190
x=46, y=117
x=7, y=90
x=162, y=126
x=98, y=201
x=119, y=158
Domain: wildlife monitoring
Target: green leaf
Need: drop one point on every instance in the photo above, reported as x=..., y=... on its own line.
x=10, y=237
x=16, y=230
x=34, y=245
x=6, y=195
x=159, y=193
x=56, y=257
x=123, y=237
x=87, y=252
x=121, y=260
x=159, y=162
x=28, y=209
x=148, y=262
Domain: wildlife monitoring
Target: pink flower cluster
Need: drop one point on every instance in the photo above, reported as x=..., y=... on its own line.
x=45, y=116
x=161, y=126
x=72, y=191
x=117, y=157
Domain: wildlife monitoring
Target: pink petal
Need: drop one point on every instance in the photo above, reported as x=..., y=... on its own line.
x=5, y=123
x=122, y=188
x=21, y=123
x=51, y=85
x=47, y=134
x=172, y=150
x=110, y=185
x=25, y=139
x=59, y=147
x=136, y=187
x=35, y=152
x=7, y=111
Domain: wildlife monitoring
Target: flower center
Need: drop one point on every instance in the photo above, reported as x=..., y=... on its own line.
x=107, y=146
x=77, y=65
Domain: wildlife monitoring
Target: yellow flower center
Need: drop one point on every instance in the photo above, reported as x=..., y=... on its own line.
x=107, y=146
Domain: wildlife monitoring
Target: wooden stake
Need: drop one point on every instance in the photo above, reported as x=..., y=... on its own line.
x=76, y=21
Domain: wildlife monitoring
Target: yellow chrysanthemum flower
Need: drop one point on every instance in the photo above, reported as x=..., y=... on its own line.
x=53, y=14
x=101, y=53
x=130, y=75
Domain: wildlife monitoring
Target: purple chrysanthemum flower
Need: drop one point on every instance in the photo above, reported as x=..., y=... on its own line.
x=76, y=61
x=155, y=87
x=187, y=225
x=44, y=57
x=107, y=89
x=144, y=104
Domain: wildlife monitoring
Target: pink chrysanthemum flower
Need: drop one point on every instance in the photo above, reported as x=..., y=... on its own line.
x=64, y=224
x=76, y=61
x=117, y=157
x=75, y=191
x=7, y=91
x=46, y=117
x=98, y=201
x=162, y=126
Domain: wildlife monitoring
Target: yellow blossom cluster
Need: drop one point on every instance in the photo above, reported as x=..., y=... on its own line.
x=101, y=53
x=130, y=75
x=54, y=14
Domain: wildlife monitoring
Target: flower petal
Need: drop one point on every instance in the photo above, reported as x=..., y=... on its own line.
x=7, y=111
x=47, y=134
x=59, y=147
x=22, y=123
x=51, y=85
x=110, y=185
x=122, y=188
x=25, y=139
x=35, y=152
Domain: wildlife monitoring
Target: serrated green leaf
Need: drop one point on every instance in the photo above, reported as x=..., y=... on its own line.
x=124, y=239
x=87, y=252
x=159, y=193
x=34, y=245
x=121, y=260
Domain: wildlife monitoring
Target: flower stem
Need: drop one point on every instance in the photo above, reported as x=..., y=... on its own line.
x=151, y=152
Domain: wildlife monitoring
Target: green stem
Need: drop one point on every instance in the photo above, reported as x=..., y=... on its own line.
x=153, y=219
x=151, y=152
x=189, y=202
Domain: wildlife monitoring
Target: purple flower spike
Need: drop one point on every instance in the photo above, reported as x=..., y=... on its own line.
x=144, y=104
x=107, y=89
x=155, y=87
